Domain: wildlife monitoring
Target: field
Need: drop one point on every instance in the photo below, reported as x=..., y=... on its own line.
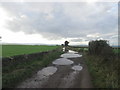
x=13, y=74
x=12, y=50
x=116, y=50
x=0, y=50
x=103, y=70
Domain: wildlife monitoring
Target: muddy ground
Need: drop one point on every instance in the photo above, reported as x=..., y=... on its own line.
x=64, y=77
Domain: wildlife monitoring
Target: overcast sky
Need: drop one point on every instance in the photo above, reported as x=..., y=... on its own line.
x=55, y=22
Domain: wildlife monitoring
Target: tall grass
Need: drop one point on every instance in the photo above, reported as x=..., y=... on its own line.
x=13, y=75
x=104, y=72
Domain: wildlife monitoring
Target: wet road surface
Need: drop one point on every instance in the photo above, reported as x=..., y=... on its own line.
x=68, y=71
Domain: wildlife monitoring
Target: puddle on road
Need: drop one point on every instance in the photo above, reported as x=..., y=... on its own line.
x=70, y=55
x=77, y=68
x=38, y=80
x=62, y=61
x=71, y=51
x=63, y=49
x=47, y=71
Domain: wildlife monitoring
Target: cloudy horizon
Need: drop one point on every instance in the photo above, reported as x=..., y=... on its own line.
x=53, y=23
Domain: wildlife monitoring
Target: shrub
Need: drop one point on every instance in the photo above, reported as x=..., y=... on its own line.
x=100, y=47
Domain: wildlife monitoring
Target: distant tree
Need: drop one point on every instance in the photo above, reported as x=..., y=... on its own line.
x=62, y=44
x=66, y=43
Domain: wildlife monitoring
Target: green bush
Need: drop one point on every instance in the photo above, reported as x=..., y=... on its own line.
x=101, y=48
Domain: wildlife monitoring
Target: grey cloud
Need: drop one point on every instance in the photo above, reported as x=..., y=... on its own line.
x=76, y=40
x=68, y=20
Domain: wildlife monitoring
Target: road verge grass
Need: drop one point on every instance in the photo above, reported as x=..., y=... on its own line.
x=104, y=72
x=13, y=75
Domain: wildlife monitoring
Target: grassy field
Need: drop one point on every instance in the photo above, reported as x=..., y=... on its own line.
x=0, y=50
x=116, y=50
x=14, y=74
x=12, y=50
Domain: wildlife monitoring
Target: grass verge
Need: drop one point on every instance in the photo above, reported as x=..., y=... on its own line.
x=104, y=72
x=13, y=75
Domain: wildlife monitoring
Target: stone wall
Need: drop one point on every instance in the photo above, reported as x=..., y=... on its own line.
x=23, y=58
